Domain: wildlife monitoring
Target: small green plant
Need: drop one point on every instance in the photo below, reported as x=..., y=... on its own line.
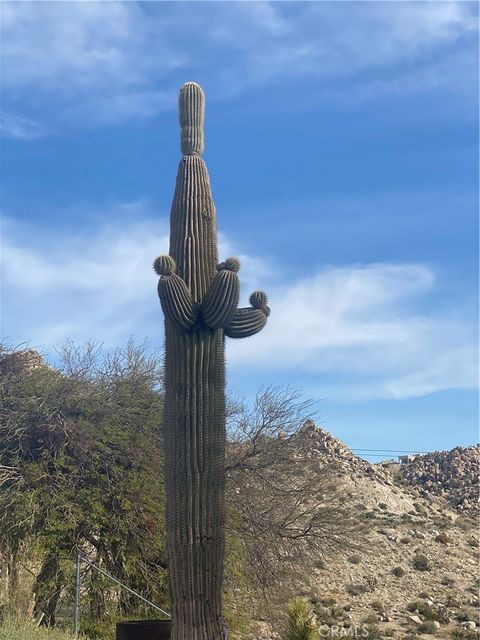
x=300, y=624
x=421, y=562
x=398, y=572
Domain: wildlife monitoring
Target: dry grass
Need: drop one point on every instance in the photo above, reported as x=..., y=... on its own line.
x=16, y=630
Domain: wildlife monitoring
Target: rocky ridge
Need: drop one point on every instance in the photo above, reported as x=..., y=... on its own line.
x=454, y=475
x=416, y=576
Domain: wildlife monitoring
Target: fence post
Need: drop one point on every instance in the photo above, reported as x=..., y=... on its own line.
x=76, y=613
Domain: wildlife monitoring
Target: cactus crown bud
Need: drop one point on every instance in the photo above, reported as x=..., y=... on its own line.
x=230, y=264
x=164, y=265
x=258, y=299
x=191, y=104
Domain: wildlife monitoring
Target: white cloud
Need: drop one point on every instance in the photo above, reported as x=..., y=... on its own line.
x=363, y=325
x=103, y=62
x=372, y=327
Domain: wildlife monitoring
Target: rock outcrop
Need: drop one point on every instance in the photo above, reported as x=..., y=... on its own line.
x=453, y=475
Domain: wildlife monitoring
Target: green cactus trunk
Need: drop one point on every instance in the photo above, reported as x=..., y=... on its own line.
x=199, y=299
x=195, y=420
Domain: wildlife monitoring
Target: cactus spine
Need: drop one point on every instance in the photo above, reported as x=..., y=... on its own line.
x=199, y=298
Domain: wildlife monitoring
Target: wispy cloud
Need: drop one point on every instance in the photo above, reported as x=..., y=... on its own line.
x=374, y=327
x=100, y=62
x=371, y=325
x=15, y=126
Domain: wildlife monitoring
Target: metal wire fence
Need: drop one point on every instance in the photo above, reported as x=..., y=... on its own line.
x=78, y=589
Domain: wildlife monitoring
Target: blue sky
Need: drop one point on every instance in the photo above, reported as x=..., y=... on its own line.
x=341, y=139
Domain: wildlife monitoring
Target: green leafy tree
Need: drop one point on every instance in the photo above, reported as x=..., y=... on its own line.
x=80, y=457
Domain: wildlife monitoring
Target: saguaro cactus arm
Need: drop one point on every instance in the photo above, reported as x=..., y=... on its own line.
x=221, y=299
x=175, y=296
x=249, y=320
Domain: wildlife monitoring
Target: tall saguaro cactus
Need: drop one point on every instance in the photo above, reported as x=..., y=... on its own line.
x=199, y=298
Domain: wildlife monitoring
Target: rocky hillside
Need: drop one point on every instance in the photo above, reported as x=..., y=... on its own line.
x=416, y=575
x=453, y=475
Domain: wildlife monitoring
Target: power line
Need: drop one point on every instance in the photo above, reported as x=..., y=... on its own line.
x=391, y=450
x=374, y=455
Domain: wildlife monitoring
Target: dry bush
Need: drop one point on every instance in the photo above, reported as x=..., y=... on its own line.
x=288, y=510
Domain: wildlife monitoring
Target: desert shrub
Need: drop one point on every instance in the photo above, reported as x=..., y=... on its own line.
x=300, y=625
x=421, y=562
x=427, y=627
x=448, y=581
x=278, y=495
x=464, y=634
x=356, y=589
x=371, y=582
x=443, y=538
x=423, y=594
x=425, y=610
x=374, y=632
x=452, y=602
x=378, y=605
x=419, y=508
x=355, y=559
x=464, y=523
x=398, y=572
x=328, y=616
x=328, y=601
x=463, y=616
